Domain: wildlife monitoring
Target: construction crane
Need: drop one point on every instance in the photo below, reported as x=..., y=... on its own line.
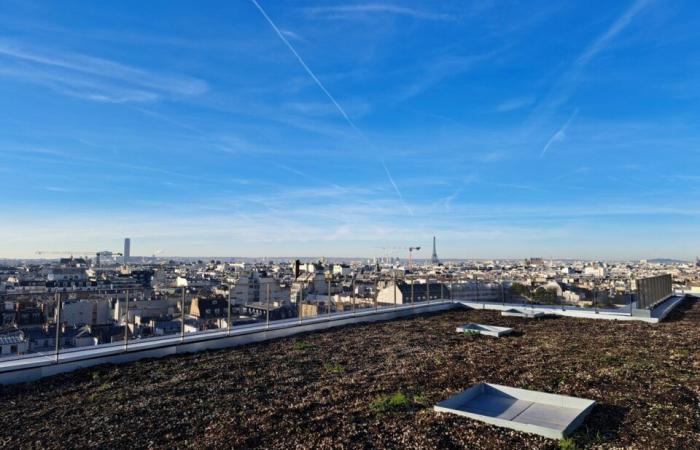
x=73, y=252
x=410, y=256
x=410, y=252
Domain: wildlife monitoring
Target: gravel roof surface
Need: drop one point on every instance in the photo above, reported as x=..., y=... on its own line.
x=333, y=388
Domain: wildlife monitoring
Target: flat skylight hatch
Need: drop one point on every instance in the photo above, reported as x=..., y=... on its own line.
x=549, y=415
x=486, y=330
x=513, y=312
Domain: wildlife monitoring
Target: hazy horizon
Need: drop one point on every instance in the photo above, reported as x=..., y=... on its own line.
x=340, y=258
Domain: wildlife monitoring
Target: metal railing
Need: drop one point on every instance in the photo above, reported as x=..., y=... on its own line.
x=130, y=343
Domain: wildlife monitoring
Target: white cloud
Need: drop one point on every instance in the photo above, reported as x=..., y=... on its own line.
x=355, y=11
x=93, y=78
x=440, y=69
x=514, y=104
x=292, y=35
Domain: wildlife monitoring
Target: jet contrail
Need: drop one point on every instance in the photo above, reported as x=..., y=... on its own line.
x=308, y=70
x=396, y=188
x=559, y=135
x=330, y=97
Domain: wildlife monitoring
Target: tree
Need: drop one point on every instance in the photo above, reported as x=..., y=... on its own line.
x=519, y=290
x=543, y=295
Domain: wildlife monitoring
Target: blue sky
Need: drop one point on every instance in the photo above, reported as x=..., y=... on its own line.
x=507, y=129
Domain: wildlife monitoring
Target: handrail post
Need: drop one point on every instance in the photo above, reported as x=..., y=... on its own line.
x=300, y=310
x=563, y=305
x=595, y=295
x=126, y=322
x=329, y=298
x=352, y=286
x=228, y=320
x=59, y=301
x=376, y=301
x=182, y=316
x=267, y=310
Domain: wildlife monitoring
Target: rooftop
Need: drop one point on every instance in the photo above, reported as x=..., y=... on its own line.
x=13, y=337
x=374, y=385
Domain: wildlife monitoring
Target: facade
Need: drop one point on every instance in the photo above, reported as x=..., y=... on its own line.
x=595, y=271
x=401, y=293
x=86, y=312
x=143, y=277
x=13, y=343
x=276, y=311
x=209, y=308
x=342, y=270
x=271, y=285
x=163, y=327
x=41, y=339
x=144, y=309
x=255, y=287
x=8, y=316
x=573, y=297
x=29, y=315
x=308, y=283
x=63, y=275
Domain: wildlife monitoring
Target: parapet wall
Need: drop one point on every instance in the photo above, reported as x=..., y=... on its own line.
x=35, y=367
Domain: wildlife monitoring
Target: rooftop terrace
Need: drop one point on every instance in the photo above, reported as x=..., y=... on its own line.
x=374, y=385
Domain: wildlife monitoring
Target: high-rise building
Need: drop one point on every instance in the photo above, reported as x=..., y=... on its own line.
x=127, y=250
x=434, y=259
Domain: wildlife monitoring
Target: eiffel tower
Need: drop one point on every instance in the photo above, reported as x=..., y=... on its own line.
x=434, y=259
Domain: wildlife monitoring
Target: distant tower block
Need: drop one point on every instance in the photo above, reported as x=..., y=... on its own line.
x=127, y=250
x=434, y=259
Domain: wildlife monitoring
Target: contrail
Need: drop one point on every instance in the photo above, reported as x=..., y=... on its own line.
x=559, y=135
x=308, y=70
x=330, y=97
x=614, y=29
x=396, y=188
x=563, y=88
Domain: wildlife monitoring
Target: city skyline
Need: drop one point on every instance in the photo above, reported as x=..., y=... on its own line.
x=269, y=128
